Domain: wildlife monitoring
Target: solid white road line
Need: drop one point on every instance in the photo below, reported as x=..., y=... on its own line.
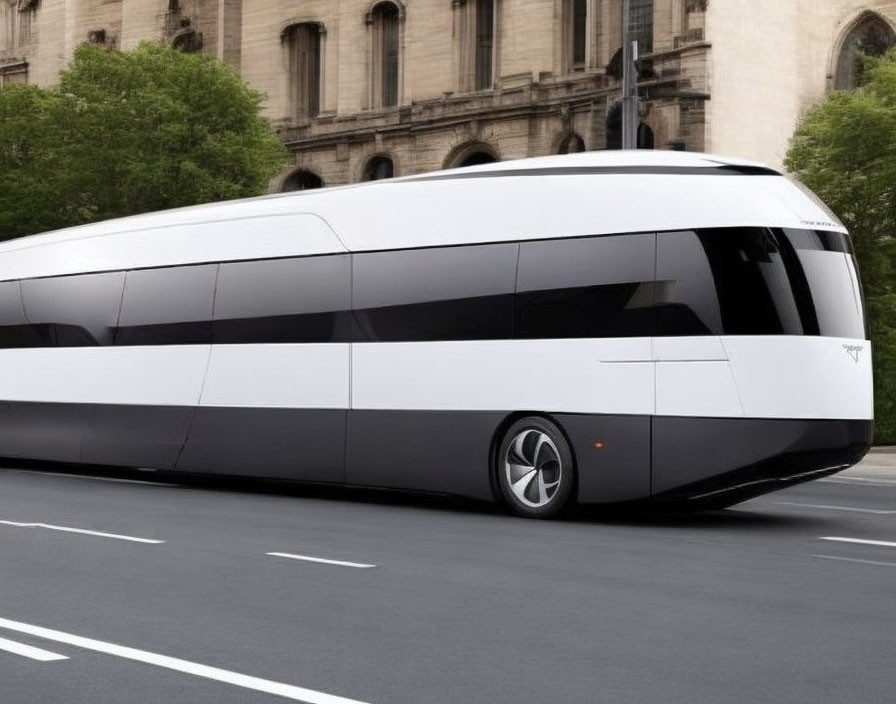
x=861, y=541
x=279, y=689
x=27, y=651
x=82, y=531
x=876, y=511
x=853, y=559
x=319, y=559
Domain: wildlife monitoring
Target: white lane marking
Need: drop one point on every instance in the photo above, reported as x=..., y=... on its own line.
x=307, y=558
x=866, y=481
x=879, y=512
x=861, y=541
x=89, y=476
x=83, y=531
x=854, y=559
x=279, y=689
x=27, y=651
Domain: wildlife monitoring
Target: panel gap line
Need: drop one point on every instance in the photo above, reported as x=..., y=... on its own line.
x=83, y=531
x=280, y=689
x=309, y=558
x=855, y=559
x=854, y=509
x=29, y=651
x=861, y=541
x=116, y=480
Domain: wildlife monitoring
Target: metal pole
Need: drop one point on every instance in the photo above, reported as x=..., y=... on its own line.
x=629, y=82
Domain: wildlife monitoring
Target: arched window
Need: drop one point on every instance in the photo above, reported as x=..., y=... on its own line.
x=303, y=41
x=645, y=137
x=301, y=180
x=476, y=158
x=641, y=25
x=571, y=144
x=871, y=36
x=384, y=63
x=576, y=31
x=379, y=167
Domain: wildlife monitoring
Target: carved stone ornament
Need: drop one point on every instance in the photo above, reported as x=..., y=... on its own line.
x=27, y=5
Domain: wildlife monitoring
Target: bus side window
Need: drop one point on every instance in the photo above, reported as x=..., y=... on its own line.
x=303, y=299
x=167, y=306
x=14, y=328
x=587, y=287
x=686, y=299
x=74, y=311
x=449, y=293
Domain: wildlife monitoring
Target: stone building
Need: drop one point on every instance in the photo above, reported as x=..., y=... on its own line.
x=363, y=89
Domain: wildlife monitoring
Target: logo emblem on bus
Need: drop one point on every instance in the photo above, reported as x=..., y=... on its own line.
x=853, y=351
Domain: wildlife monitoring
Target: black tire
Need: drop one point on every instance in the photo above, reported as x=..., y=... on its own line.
x=534, y=468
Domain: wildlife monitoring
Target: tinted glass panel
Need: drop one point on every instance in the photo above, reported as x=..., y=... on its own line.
x=593, y=287
x=14, y=329
x=454, y=293
x=74, y=311
x=827, y=261
x=735, y=281
x=171, y=306
x=284, y=300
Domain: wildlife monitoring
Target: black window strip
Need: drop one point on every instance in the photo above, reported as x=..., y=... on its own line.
x=720, y=170
x=575, y=309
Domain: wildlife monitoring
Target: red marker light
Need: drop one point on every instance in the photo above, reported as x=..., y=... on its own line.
x=599, y=445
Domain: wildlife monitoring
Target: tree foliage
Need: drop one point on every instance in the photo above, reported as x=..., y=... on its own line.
x=845, y=151
x=130, y=132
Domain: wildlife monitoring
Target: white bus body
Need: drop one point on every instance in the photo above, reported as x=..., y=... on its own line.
x=691, y=327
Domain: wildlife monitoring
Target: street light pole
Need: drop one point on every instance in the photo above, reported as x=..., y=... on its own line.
x=629, y=81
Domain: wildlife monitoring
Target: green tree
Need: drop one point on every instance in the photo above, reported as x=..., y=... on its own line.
x=845, y=151
x=130, y=132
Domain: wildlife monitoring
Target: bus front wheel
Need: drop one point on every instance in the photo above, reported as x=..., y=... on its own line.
x=535, y=469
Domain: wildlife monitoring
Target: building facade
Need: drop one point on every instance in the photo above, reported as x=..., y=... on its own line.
x=364, y=89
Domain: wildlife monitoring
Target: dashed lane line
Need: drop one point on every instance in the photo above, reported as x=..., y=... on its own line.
x=28, y=651
x=83, y=531
x=280, y=689
x=308, y=558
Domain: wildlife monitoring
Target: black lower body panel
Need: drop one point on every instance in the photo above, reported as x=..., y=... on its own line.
x=693, y=461
x=708, y=462
x=274, y=443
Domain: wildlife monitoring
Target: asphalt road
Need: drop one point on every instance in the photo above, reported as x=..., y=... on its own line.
x=463, y=603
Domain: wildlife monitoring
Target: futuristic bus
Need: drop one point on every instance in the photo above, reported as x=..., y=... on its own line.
x=598, y=327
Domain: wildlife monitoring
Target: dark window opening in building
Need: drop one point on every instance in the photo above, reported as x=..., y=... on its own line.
x=304, y=69
x=189, y=41
x=614, y=127
x=485, y=43
x=301, y=181
x=641, y=25
x=645, y=137
x=379, y=167
x=385, y=59
x=578, y=17
x=478, y=157
x=871, y=36
x=571, y=144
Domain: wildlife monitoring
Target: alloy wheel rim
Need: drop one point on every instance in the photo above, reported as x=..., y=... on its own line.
x=533, y=469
